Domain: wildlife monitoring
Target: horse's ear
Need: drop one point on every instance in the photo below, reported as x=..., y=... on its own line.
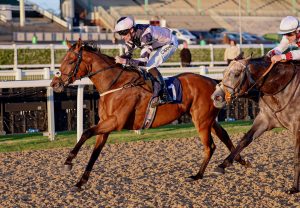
x=68, y=43
x=240, y=56
x=79, y=43
x=251, y=54
x=267, y=58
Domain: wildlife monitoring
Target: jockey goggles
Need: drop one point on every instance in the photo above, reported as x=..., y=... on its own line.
x=290, y=34
x=124, y=32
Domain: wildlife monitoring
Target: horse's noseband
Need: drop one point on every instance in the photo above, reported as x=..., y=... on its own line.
x=72, y=73
x=245, y=73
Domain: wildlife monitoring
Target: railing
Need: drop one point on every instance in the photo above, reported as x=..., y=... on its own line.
x=39, y=74
x=119, y=47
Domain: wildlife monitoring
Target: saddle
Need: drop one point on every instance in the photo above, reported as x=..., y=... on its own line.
x=174, y=89
x=279, y=77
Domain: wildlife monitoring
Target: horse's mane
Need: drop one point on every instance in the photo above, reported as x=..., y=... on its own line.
x=91, y=46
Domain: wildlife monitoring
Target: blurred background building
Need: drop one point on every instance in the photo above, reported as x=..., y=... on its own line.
x=258, y=17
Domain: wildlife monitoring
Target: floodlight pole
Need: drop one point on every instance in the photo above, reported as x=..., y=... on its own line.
x=22, y=13
x=240, y=21
x=199, y=5
x=294, y=3
x=248, y=7
x=146, y=6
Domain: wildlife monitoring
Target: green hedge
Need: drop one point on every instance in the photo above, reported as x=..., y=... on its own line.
x=43, y=56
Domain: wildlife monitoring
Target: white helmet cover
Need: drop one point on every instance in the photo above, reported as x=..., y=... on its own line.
x=288, y=24
x=124, y=23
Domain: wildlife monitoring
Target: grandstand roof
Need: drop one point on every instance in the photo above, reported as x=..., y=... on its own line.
x=256, y=14
x=9, y=2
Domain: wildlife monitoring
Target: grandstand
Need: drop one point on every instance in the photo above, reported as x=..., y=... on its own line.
x=37, y=19
x=258, y=16
x=202, y=15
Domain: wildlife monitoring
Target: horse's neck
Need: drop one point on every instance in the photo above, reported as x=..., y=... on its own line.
x=258, y=69
x=271, y=79
x=112, y=78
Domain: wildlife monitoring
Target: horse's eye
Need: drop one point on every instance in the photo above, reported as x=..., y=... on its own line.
x=57, y=74
x=72, y=62
x=237, y=74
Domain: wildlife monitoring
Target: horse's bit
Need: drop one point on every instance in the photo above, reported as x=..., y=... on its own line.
x=245, y=74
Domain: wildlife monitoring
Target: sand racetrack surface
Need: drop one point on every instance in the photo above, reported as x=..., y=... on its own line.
x=152, y=174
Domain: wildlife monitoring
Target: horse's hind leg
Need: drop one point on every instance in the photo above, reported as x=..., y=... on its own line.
x=296, y=184
x=259, y=126
x=209, y=148
x=85, y=136
x=222, y=134
x=100, y=142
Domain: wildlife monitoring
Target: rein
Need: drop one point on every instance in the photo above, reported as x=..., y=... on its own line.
x=238, y=85
x=90, y=74
x=263, y=75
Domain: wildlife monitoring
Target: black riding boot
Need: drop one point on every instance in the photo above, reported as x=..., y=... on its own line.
x=163, y=91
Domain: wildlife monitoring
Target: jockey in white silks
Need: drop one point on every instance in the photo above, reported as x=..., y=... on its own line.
x=289, y=28
x=157, y=44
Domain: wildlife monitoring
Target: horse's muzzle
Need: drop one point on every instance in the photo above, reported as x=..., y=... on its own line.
x=57, y=86
x=218, y=98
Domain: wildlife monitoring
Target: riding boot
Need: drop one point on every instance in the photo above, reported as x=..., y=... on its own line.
x=163, y=91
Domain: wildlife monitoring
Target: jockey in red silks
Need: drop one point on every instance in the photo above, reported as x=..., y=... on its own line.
x=289, y=28
x=157, y=44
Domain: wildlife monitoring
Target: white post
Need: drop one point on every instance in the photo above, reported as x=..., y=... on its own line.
x=50, y=112
x=203, y=70
x=211, y=55
x=46, y=73
x=18, y=74
x=15, y=56
x=120, y=49
x=52, y=57
x=22, y=13
x=262, y=49
x=80, y=111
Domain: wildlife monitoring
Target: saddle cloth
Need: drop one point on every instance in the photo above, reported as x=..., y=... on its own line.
x=174, y=89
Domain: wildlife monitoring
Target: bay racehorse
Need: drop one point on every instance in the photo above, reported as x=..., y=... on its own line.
x=279, y=101
x=124, y=97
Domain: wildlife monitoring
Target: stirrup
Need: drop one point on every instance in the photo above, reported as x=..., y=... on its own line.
x=164, y=99
x=155, y=104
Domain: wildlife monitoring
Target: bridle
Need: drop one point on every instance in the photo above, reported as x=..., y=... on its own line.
x=75, y=71
x=245, y=75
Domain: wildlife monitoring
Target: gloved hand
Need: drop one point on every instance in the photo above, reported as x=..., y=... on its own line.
x=120, y=60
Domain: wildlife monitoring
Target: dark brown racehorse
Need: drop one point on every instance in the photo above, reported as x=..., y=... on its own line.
x=124, y=99
x=279, y=101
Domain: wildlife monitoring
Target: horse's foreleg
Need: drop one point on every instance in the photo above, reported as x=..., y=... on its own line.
x=85, y=136
x=100, y=142
x=209, y=148
x=296, y=184
x=220, y=132
x=256, y=130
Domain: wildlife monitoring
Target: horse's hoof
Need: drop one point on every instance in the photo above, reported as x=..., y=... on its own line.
x=68, y=167
x=219, y=171
x=247, y=164
x=243, y=162
x=293, y=191
x=193, y=178
x=76, y=188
